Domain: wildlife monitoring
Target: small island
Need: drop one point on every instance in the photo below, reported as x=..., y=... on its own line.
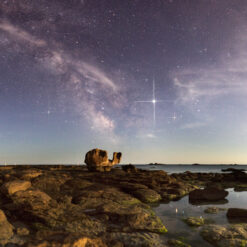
x=156, y=164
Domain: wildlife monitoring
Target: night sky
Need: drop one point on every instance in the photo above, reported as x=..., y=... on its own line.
x=75, y=75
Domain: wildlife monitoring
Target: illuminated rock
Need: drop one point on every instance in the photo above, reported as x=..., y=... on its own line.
x=97, y=160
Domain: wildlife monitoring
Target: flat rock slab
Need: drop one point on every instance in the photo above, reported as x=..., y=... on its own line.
x=213, y=210
x=29, y=174
x=222, y=236
x=14, y=186
x=147, y=195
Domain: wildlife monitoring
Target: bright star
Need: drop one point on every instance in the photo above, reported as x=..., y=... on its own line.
x=154, y=101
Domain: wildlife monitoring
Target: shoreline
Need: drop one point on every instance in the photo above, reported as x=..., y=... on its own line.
x=57, y=204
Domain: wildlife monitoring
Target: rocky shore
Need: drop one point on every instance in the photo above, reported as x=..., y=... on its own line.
x=71, y=206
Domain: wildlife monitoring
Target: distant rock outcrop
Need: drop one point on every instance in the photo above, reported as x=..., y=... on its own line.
x=97, y=160
x=233, y=170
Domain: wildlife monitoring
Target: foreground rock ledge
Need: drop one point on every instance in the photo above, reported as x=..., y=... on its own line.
x=71, y=206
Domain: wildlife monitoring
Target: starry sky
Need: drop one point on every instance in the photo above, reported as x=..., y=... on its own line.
x=161, y=81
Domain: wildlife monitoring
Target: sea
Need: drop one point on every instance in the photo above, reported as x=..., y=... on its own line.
x=192, y=168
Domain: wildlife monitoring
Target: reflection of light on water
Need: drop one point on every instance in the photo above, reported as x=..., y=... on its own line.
x=173, y=213
x=237, y=199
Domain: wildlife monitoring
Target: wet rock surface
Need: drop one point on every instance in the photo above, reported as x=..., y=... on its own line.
x=195, y=221
x=73, y=206
x=207, y=194
x=177, y=243
x=226, y=236
x=237, y=214
x=213, y=210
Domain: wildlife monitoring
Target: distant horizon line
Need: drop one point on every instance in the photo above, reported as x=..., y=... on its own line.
x=148, y=164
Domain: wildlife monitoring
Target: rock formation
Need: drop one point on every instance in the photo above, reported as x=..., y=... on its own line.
x=207, y=194
x=15, y=186
x=129, y=168
x=232, y=235
x=65, y=206
x=237, y=213
x=97, y=160
x=6, y=229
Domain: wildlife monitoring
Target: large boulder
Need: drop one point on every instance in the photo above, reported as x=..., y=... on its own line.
x=238, y=214
x=207, y=194
x=97, y=160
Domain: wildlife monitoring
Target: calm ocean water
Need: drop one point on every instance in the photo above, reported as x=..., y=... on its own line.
x=173, y=168
x=191, y=168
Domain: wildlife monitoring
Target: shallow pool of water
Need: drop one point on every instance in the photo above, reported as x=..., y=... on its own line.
x=172, y=215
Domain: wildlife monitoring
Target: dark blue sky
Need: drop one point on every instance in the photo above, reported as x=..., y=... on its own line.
x=73, y=73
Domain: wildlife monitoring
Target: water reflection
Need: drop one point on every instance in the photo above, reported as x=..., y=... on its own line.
x=172, y=215
x=197, y=203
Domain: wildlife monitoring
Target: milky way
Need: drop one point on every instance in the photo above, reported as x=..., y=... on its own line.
x=73, y=74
